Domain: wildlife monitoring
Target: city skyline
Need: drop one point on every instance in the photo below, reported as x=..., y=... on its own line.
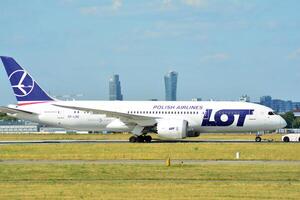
x=279, y=105
x=221, y=49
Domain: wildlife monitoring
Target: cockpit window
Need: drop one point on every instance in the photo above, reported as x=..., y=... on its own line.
x=271, y=113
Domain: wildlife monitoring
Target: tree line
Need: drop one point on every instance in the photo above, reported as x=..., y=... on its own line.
x=291, y=120
x=5, y=117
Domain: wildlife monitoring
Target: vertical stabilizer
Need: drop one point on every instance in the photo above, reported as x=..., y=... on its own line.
x=24, y=86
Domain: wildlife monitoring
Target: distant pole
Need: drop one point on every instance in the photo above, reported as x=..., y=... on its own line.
x=168, y=162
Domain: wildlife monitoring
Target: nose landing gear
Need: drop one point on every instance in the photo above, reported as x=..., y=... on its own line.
x=257, y=139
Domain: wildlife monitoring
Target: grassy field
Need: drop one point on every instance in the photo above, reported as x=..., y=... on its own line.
x=208, y=181
x=125, y=136
x=203, y=151
x=151, y=181
x=48, y=136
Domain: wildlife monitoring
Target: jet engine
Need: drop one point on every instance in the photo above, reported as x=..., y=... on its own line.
x=172, y=128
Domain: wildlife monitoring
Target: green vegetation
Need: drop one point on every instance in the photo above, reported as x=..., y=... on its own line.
x=202, y=151
x=296, y=123
x=47, y=136
x=291, y=120
x=5, y=117
x=207, y=181
x=148, y=181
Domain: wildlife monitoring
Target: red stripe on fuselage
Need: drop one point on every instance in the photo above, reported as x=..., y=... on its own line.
x=31, y=103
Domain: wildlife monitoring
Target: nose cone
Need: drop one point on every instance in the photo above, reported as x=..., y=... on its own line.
x=282, y=122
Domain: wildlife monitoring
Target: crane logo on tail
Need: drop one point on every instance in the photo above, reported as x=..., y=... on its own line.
x=21, y=82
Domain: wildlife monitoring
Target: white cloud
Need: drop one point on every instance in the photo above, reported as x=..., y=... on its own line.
x=117, y=4
x=122, y=48
x=215, y=57
x=295, y=54
x=161, y=33
x=67, y=1
x=167, y=4
x=195, y=3
x=93, y=10
x=152, y=34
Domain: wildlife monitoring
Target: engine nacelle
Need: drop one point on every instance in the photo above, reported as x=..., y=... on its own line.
x=172, y=128
x=192, y=134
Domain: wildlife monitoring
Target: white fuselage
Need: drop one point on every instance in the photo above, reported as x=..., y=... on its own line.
x=202, y=116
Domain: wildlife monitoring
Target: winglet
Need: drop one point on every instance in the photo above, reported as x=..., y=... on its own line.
x=23, y=85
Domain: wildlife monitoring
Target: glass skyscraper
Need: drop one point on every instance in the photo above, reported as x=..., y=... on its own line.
x=171, y=85
x=115, y=88
x=266, y=101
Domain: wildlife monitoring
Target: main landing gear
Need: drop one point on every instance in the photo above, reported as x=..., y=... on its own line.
x=140, y=139
x=258, y=139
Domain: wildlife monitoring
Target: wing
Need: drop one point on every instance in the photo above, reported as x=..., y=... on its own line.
x=14, y=111
x=126, y=118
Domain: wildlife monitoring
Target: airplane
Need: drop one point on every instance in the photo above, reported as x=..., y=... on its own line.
x=168, y=119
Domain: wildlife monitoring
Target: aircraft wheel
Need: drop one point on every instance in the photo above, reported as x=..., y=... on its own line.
x=140, y=139
x=258, y=139
x=286, y=139
x=132, y=139
x=148, y=138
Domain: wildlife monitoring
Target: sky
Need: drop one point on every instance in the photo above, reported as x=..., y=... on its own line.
x=221, y=49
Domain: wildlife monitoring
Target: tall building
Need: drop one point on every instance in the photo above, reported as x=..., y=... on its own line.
x=296, y=105
x=282, y=106
x=115, y=88
x=171, y=85
x=266, y=101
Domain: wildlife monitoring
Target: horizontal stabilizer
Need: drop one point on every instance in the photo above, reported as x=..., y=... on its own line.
x=14, y=111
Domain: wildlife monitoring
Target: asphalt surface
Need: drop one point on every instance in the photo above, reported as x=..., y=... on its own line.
x=119, y=161
x=120, y=141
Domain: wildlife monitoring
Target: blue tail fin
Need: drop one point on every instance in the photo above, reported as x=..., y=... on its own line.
x=23, y=85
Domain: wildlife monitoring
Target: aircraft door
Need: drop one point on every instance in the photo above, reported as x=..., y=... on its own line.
x=60, y=117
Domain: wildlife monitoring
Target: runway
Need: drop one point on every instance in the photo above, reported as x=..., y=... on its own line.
x=10, y=142
x=153, y=162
